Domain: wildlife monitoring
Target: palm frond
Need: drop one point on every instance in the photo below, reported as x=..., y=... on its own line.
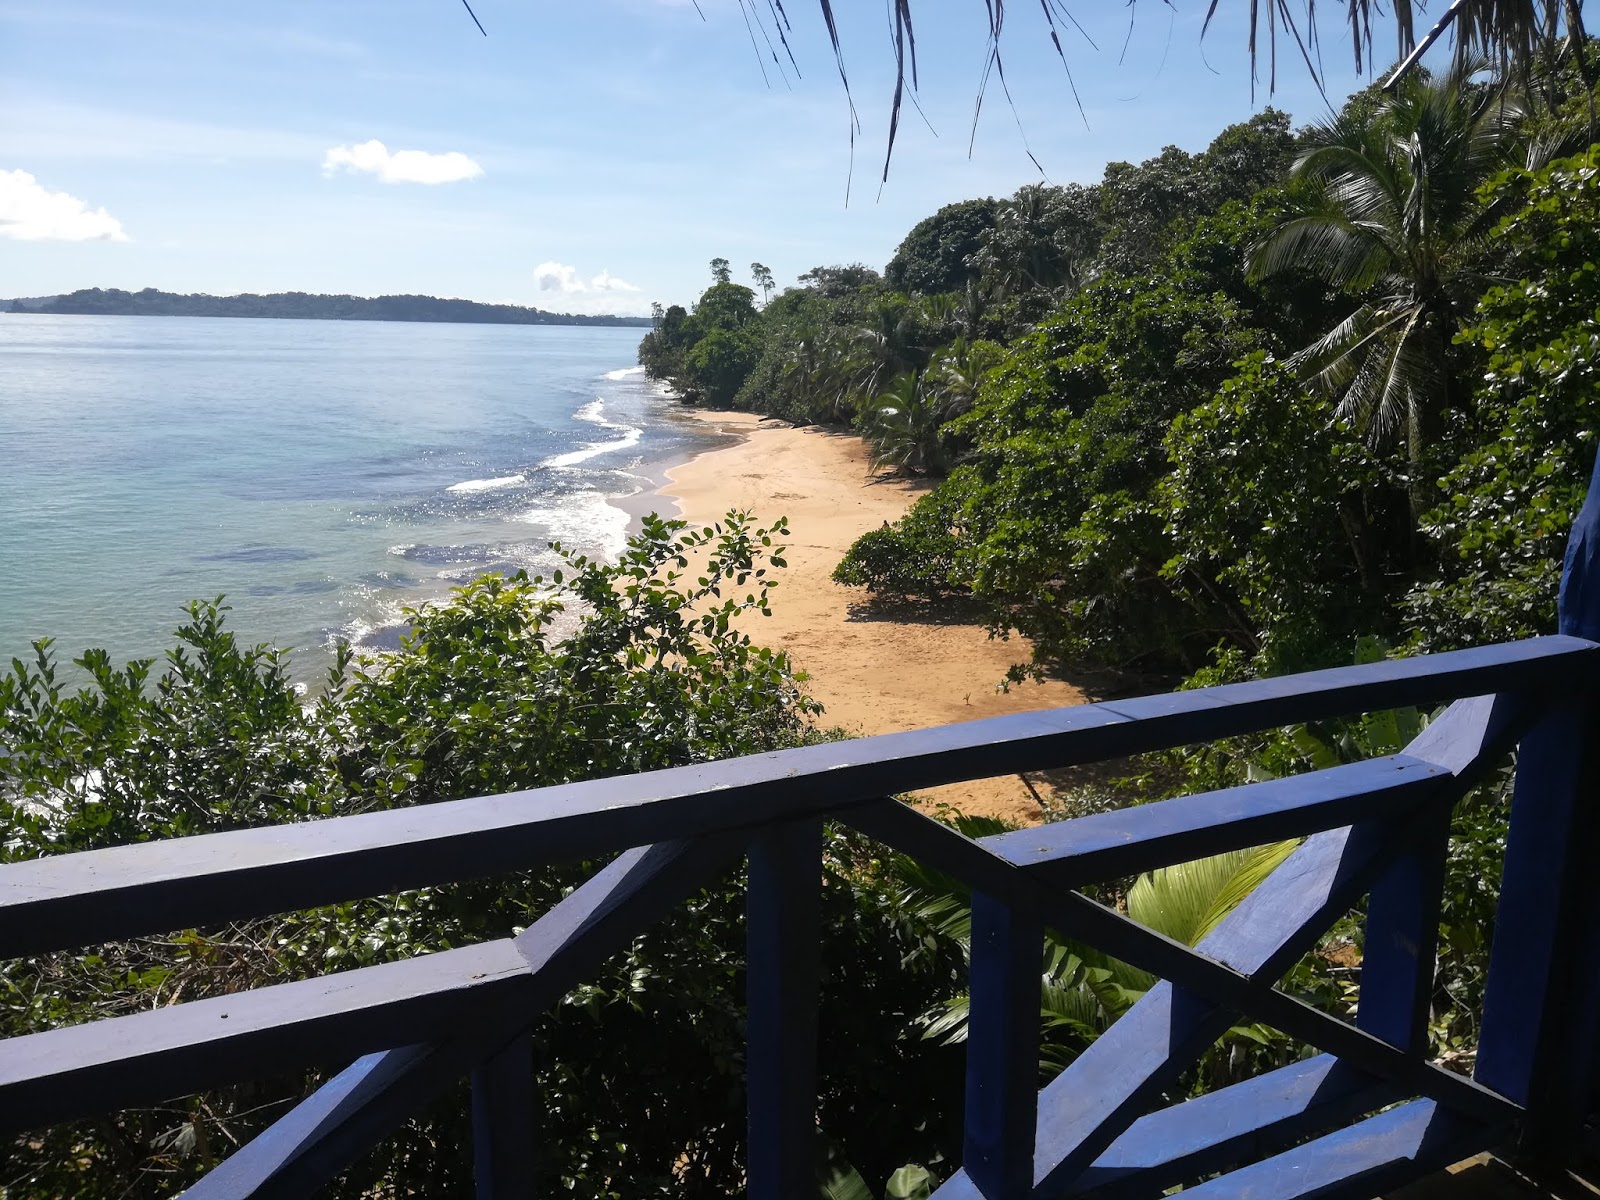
x=1504, y=31
x=1333, y=361
x=1326, y=245
x=1395, y=376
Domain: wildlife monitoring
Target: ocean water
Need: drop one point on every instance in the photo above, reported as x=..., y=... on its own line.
x=323, y=475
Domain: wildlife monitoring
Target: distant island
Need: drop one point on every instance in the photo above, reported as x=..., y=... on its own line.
x=300, y=306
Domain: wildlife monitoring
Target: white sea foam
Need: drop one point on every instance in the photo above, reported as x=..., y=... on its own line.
x=625, y=373
x=487, y=485
x=585, y=521
x=594, y=413
x=594, y=449
x=375, y=627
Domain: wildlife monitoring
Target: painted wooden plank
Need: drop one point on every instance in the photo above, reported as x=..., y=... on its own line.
x=490, y=991
x=81, y=899
x=1131, y=840
x=1540, y=1007
x=1283, y=918
x=1233, y=1124
x=308, y=1146
x=1370, y=1157
x=1002, y=1085
x=1402, y=936
x=152, y=1056
x=1579, y=606
x=1475, y=733
x=782, y=978
x=503, y=1105
x=941, y=847
x=1206, y=714
x=1119, y=1077
x=316, y=1140
x=1463, y=742
x=1100, y=1095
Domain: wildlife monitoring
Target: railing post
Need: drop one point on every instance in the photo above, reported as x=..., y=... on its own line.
x=1543, y=995
x=782, y=975
x=503, y=1123
x=1002, y=1095
x=1402, y=940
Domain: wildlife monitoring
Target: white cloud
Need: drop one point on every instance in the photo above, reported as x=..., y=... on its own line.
x=29, y=213
x=400, y=166
x=607, y=282
x=560, y=277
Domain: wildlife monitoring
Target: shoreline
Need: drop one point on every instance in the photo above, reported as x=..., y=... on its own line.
x=874, y=670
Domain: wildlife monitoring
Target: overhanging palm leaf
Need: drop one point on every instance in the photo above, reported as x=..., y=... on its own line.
x=1081, y=990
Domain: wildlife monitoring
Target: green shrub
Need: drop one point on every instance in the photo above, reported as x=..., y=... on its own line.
x=915, y=556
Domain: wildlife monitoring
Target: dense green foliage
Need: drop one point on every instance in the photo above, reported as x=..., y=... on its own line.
x=149, y=302
x=1156, y=476
x=935, y=255
x=1529, y=435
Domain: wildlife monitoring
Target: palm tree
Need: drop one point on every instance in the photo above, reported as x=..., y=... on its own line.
x=884, y=347
x=1395, y=220
x=904, y=423
x=954, y=375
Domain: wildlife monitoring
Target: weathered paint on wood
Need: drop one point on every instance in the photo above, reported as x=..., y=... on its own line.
x=1002, y=1089
x=782, y=979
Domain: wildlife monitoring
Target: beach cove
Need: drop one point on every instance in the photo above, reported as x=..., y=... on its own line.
x=873, y=671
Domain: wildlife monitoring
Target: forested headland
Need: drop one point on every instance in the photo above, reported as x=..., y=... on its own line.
x=302, y=306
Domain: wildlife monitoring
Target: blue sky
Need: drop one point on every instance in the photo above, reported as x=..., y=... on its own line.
x=617, y=144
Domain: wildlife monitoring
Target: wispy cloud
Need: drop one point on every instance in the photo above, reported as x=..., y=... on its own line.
x=31, y=213
x=563, y=278
x=400, y=166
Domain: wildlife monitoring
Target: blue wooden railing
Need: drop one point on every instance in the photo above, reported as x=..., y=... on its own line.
x=1367, y=1113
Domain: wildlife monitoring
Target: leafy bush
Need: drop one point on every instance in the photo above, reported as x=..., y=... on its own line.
x=1506, y=508
x=915, y=556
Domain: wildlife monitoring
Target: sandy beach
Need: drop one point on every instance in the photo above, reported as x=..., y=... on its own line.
x=873, y=673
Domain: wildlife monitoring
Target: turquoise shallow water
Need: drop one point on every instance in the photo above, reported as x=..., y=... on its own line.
x=322, y=474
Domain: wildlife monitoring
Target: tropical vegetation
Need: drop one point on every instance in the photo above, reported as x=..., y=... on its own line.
x=1296, y=399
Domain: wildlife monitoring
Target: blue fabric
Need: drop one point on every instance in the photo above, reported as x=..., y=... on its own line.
x=1580, y=580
